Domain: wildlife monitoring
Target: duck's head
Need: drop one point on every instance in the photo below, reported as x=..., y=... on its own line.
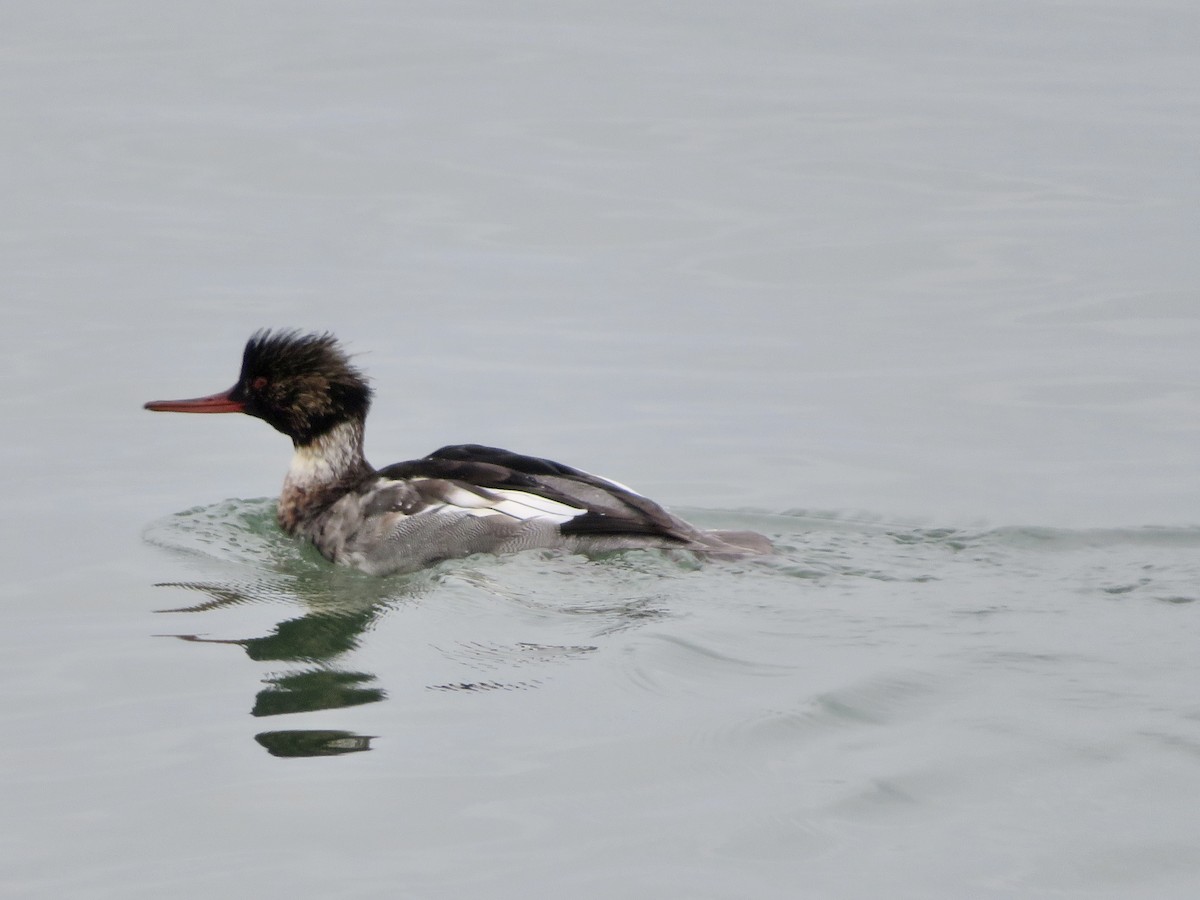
x=301, y=384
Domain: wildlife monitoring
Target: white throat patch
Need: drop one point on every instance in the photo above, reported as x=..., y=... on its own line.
x=328, y=458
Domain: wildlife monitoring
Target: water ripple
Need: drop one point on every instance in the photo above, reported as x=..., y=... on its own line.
x=876, y=702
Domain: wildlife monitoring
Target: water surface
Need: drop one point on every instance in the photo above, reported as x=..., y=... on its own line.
x=908, y=287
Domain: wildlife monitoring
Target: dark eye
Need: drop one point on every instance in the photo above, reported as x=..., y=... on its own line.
x=259, y=383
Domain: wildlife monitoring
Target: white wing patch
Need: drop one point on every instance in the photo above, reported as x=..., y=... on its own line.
x=514, y=504
x=521, y=505
x=464, y=499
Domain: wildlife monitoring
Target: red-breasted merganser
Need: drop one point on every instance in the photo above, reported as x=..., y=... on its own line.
x=457, y=501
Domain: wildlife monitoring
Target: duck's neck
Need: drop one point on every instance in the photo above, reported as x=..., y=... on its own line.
x=322, y=470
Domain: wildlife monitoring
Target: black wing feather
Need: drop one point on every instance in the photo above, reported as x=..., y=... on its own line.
x=491, y=467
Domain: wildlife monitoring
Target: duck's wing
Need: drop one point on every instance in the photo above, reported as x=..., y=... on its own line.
x=488, y=480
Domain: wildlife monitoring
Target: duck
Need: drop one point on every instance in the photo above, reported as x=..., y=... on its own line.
x=459, y=501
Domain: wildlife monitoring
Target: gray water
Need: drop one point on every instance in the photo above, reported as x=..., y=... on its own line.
x=910, y=287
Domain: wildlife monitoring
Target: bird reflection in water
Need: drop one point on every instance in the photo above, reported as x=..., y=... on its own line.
x=315, y=640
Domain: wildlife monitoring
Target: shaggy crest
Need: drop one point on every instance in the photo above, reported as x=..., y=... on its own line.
x=301, y=384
